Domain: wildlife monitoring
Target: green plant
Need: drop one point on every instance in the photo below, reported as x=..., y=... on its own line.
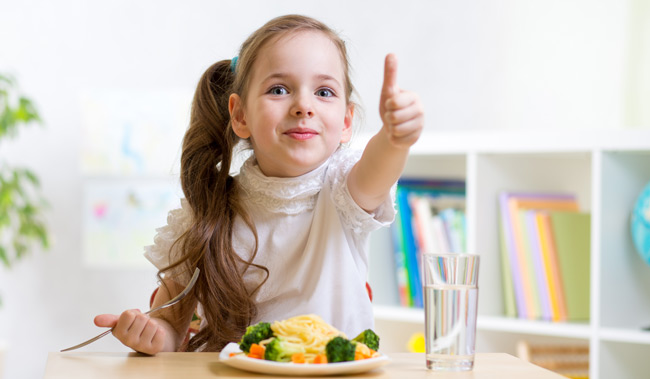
x=21, y=203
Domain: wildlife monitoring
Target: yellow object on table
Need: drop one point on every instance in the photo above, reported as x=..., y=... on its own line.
x=416, y=343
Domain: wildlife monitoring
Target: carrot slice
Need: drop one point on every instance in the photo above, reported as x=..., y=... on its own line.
x=298, y=358
x=320, y=358
x=257, y=350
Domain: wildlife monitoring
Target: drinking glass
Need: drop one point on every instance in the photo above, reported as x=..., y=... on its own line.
x=450, y=309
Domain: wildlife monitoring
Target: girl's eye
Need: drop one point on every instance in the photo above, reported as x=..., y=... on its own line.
x=325, y=92
x=278, y=91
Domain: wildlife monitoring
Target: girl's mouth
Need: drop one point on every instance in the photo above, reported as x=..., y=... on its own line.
x=301, y=134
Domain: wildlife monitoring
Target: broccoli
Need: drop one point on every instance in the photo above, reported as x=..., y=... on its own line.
x=340, y=349
x=368, y=338
x=255, y=334
x=280, y=351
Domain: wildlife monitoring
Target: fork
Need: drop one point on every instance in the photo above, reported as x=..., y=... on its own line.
x=171, y=302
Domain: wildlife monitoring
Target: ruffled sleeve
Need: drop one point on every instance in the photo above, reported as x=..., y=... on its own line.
x=352, y=215
x=178, y=221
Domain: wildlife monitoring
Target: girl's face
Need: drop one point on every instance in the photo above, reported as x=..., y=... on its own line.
x=296, y=113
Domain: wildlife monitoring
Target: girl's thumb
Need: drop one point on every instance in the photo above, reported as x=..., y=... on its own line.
x=106, y=320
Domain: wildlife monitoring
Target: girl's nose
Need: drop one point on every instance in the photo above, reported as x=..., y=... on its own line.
x=302, y=107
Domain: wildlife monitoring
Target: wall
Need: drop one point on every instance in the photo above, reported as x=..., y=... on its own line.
x=477, y=65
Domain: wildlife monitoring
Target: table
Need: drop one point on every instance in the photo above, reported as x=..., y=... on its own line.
x=80, y=365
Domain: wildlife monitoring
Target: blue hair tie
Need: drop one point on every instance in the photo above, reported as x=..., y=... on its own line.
x=233, y=64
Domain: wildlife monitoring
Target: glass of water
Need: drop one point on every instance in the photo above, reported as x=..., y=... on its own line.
x=450, y=309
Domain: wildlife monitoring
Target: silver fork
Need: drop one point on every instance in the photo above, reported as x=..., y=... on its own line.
x=171, y=302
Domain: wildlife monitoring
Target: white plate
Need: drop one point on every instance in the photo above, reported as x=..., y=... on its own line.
x=278, y=368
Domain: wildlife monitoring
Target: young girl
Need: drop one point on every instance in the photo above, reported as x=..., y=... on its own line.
x=288, y=235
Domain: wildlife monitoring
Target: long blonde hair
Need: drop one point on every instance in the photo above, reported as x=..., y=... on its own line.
x=214, y=195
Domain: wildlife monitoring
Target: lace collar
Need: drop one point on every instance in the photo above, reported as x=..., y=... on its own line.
x=285, y=195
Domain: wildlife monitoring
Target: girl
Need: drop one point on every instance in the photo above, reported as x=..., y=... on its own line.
x=288, y=234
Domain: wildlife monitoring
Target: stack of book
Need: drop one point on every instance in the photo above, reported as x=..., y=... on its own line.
x=430, y=219
x=545, y=255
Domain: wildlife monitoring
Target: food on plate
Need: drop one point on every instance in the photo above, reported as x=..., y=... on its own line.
x=340, y=349
x=254, y=334
x=306, y=339
x=368, y=338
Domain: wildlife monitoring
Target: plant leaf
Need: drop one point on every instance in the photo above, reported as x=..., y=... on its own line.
x=4, y=257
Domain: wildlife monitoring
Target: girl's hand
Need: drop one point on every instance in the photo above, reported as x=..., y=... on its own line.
x=401, y=111
x=135, y=330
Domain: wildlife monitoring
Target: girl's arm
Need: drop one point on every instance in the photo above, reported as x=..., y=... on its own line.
x=150, y=335
x=385, y=155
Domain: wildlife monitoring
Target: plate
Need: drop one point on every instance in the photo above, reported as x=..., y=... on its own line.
x=293, y=369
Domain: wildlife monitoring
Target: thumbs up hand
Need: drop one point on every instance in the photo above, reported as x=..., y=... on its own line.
x=400, y=111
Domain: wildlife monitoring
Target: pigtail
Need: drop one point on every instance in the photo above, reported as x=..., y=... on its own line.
x=214, y=198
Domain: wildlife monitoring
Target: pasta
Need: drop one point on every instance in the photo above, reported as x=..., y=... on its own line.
x=308, y=333
x=306, y=339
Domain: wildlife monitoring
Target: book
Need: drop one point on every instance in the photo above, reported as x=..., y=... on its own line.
x=519, y=265
x=541, y=274
x=549, y=254
x=409, y=247
x=523, y=240
x=506, y=245
x=399, y=254
x=572, y=234
x=419, y=229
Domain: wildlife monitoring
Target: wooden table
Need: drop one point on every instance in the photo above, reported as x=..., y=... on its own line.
x=74, y=365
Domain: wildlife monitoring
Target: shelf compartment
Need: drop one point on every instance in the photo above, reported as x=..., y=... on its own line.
x=436, y=166
x=624, y=298
x=560, y=172
x=623, y=360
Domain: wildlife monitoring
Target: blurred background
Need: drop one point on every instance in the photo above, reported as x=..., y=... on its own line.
x=113, y=82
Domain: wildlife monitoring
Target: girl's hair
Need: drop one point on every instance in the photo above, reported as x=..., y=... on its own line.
x=214, y=195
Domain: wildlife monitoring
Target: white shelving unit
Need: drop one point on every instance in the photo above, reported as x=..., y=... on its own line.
x=606, y=170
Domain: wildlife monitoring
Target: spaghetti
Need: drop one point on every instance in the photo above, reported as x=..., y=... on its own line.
x=306, y=333
x=306, y=339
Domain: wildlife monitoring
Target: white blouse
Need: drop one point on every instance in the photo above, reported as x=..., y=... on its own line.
x=313, y=238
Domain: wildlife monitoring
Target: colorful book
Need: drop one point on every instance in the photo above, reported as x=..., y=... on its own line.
x=541, y=275
x=399, y=254
x=453, y=229
x=410, y=249
x=417, y=228
x=549, y=254
x=572, y=234
x=520, y=264
x=506, y=244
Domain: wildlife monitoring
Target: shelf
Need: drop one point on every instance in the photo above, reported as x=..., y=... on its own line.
x=492, y=323
x=524, y=141
x=519, y=326
x=399, y=314
x=625, y=335
x=605, y=170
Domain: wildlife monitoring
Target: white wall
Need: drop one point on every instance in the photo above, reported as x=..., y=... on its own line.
x=534, y=64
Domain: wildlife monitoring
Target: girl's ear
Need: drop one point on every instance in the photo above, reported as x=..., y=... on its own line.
x=237, y=116
x=347, y=124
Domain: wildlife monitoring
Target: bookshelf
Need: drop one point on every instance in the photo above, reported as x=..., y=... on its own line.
x=606, y=170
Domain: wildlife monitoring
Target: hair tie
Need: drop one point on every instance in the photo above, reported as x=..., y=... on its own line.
x=233, y=64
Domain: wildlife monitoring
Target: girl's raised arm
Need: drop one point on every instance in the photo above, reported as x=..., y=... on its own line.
x=385, y=155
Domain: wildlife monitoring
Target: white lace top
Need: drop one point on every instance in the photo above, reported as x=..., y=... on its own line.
x=313, y=238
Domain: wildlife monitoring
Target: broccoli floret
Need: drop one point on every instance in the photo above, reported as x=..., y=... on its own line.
x=280, y=351
x=340, y=349
x=368, y=338
x=255, y=334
